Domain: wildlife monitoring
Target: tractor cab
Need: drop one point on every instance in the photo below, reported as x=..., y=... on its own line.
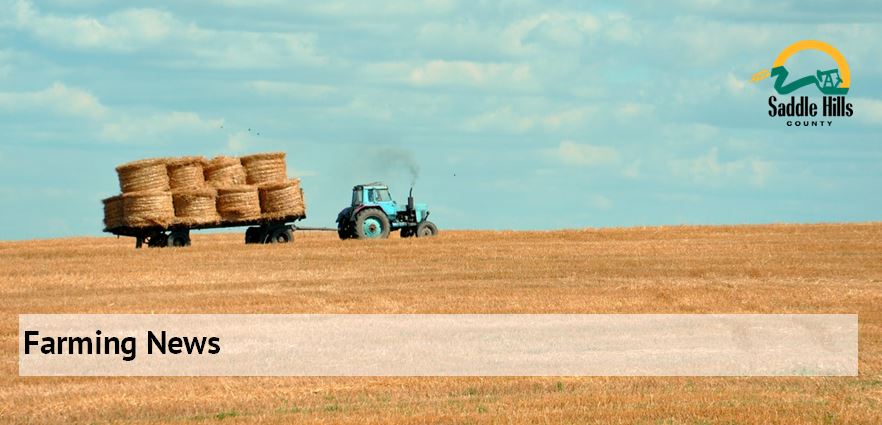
x=374, y=194
x=373, y=214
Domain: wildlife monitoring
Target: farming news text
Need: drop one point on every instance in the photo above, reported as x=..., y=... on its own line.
x=126, y=347
x=438, y=344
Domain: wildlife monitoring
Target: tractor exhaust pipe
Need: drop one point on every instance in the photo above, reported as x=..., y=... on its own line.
x=410, y=200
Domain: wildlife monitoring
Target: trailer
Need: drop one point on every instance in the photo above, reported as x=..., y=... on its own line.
x=259, y=231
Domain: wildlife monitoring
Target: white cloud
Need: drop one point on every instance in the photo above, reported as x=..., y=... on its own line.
x=474, y=74
x=244, y=50
x=61, y=99
x=620, y=28
x=868, y=111
x=631, y=111
x=555, y=28
x=548, y=33
x=567, y=29
x=239, y=141
x=349, y=9
x=502, y=119
x=601, y=202
x=116, y=125
x=506, y=119
x=382, y=10
x=569, y=117
x=632, y=171
x=709, y=169
x=121, y=31
x=572, y=153
x=133, y=30
x=133, y=127
x=697, y=131
x=6, y=61
x=291, y=89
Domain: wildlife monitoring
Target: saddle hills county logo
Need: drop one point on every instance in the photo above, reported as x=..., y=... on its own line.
x=833, y=84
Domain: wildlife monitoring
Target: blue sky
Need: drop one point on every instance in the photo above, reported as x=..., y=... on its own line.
x=518, y=114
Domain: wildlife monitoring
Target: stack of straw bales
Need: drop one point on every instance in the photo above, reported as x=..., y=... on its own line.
x=113, y=212
x=224, y=171
x=143, y=176
x=186, y=173
x=279, y=196
x=145, y=200
x=238, y=203
x=265, y=168
x=281, y=199
x=191, y=191
x=148, y=208
x=196, y=206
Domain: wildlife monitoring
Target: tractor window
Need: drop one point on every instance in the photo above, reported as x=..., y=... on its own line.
x=356, y=197
x=381, y=195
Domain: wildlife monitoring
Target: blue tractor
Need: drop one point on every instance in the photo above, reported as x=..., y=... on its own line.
x=373, y=214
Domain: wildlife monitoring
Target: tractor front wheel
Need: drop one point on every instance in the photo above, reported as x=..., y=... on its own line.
x=344, y=231
x=372, y=224
x=407, y=232
x=426, y=229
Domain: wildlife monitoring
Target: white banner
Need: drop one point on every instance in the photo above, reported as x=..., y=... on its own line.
x=438, y=345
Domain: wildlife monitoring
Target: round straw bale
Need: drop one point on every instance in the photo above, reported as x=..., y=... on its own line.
x=143, y=175
x=195, y=206
x=224, y=171
x=113, y=212
x=281, y=199
x=185, y=172
x=238, y=203
x=149, y=208
x=263, y=168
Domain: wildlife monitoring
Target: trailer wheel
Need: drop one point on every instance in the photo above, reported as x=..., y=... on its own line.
x=252, y=235
x=426, y=229
x=178, y=239
x=157, y=240
x=282, y=235
x=372, y=224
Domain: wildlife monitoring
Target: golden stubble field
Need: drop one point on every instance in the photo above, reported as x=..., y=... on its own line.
x=714, y=269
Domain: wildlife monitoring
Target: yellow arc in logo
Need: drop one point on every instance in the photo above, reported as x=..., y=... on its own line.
x=844, y=71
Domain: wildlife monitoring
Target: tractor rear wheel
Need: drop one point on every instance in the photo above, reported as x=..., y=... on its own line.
x=426, y=229
x=372, y=224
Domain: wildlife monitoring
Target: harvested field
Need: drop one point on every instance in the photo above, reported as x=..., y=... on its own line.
x=721, y=269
